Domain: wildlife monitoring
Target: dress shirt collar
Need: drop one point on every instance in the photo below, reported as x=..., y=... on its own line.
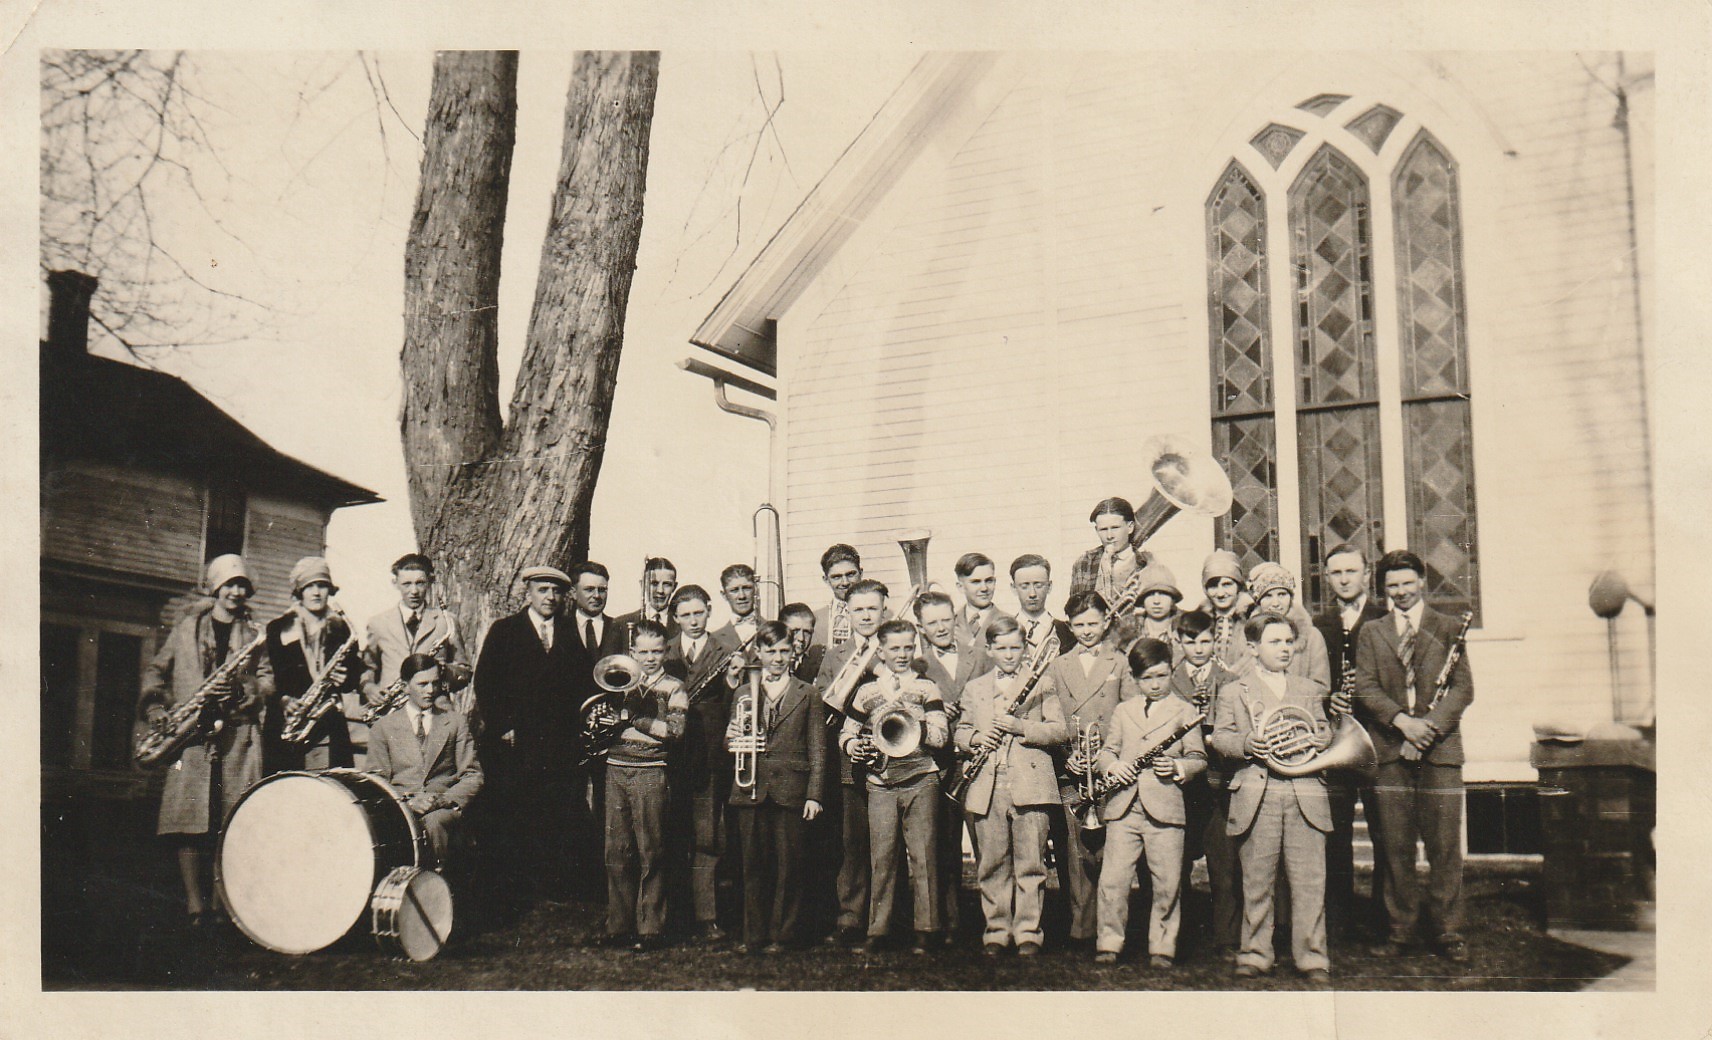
x=1414, y=614
x=1349, y=613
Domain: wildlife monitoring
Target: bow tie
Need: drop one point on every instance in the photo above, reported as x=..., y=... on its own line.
x=944, y=651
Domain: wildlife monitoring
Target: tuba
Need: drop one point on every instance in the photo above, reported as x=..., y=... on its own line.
x=603, y=715
x=1184, y=478
x=1289, y=732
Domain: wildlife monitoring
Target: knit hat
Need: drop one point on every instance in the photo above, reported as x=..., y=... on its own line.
x=1156, y=577
x=1221, y=563
x=228, y=568
x=310, y=570
x=1268, y=576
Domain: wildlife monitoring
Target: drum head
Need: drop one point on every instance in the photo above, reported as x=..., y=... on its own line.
x=423, y=921
x=297, y=862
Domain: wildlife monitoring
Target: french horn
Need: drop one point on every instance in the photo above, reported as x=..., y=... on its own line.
x=1289, y=732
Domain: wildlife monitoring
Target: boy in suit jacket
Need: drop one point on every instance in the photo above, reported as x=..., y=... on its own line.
x=1349, y=577
x=1271, y=815
x=429, y=755
x=788, y=745
x=637, y=796
x=1146, y=816
x=414, y=626
x=1010, y=800
x=1197, y=678
x=977, y=577
x=1420, y=756
x=737, y=586
x=806, y=654
x=949, y=662
x=698, y=660
x=1090, y=679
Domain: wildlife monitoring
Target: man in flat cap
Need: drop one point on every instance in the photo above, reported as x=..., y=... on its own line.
x=311, y=643
x=225, y=757
x=526, y=685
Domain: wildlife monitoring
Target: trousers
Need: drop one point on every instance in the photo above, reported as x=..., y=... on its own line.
x=1281, y=831
x=1011, y=866
x=636, y=798
x=903, y=815
x=1128, y=839
x=1078, y=869
x=854, y=890
x=1421, y=802
x=772, y=839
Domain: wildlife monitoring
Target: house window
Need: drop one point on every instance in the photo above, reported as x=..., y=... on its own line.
x=1334, y=397
x=91, y=677
x=1243, y=427
x=60, y=645
x=228, y=509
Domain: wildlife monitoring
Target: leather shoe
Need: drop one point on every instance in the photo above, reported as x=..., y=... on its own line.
x=993, y=949
x=1159, y=961
x=648, y=943
x=1454, y=950
x=1028, y=949
x=1391, y=948
x=712, y=933
x=1319, y=978
x=846, y=936
x=873, y=944
x=615, y=942
x=1247, y=971
x=922, y=941
x=1105, y=957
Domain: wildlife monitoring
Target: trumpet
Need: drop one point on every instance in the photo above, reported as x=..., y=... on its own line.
x=723, y=666
x=1087, y=743
x=747, y=719
x=302, y=713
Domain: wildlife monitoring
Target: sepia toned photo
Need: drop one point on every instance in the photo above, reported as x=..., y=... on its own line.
x=842, y=520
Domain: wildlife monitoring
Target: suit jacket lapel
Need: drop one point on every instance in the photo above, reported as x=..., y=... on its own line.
x=439, y=729
x=793, y=699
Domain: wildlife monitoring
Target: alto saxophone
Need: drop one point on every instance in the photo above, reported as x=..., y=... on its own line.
x=393, y=697
x=302, y=713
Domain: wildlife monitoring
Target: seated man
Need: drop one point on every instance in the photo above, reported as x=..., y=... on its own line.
x=427, y=754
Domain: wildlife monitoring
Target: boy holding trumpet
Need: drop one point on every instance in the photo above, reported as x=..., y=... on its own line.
x=777, y=733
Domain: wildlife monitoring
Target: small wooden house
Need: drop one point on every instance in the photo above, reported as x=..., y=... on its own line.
x=1403, y=299
x=143, y=480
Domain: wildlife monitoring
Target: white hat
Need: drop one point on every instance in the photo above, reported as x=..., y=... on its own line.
x=228, y=568
x=308, y=571
x=552, y=574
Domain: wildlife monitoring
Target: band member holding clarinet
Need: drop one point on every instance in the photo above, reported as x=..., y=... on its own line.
x=1090, y=679
x=1153, y=748
x=213, y=654
x=418, y=624
x=1198, y=678
x=429, y=755
x=1010, y=800
x=1274, y=815
x=1415, y=722
x=637, y=796
x=903, y=780
x=699, y=661
x=315, y=658
x=777, y=732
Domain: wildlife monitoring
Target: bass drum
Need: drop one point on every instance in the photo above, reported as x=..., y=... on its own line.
x=412, y=913
x=303, y=851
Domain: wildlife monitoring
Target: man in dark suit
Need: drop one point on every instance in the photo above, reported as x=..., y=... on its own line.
x=788, y=746
x=526, y=690
x=596, y=636
x=703, y=772
x=806, y=654
x=1419, y=786
x=1349, y=577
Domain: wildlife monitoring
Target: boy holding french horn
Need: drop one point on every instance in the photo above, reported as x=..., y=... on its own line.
x=1270, y=720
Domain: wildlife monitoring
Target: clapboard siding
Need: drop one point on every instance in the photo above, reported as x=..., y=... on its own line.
x=1037, y=310
x=280, y=534
x=137, y=522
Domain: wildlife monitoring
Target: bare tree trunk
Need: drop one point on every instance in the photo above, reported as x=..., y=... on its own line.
x=488, y=500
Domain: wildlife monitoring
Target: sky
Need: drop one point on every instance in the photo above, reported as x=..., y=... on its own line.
x=308, y=202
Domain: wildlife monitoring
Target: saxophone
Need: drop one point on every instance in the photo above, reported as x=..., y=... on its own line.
x=166, y=740
x=302, y=713
x=393, y=697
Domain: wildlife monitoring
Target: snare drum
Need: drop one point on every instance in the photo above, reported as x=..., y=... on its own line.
x=302, y=852
x=412, y=913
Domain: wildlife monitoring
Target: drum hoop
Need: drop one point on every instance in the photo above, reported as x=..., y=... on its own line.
x=383, y=919
x=418, y=840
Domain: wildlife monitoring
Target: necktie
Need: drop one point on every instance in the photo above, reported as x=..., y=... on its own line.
x=1203, y=679
x=589, y=642
x=411, y=624
x=547, y=636
x=1407, y=647
x=691, y=652
x=422, y=731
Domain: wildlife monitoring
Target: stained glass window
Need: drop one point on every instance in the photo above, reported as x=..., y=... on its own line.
x=1323, y=104
x=1243, y=428
x=1437, y=422
x=1337, y=386
x=1375, y=125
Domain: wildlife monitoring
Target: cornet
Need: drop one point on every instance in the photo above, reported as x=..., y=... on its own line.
x=751, y=731
x=1088, y=743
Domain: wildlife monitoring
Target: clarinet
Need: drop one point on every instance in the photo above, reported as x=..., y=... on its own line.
x=1107, y=785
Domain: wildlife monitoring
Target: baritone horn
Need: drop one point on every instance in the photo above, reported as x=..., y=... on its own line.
x=1184, y=478
x=897, y=730
x=1289, y=732
x=602, y=715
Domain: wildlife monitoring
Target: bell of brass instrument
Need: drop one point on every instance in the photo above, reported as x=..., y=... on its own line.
x=843, y=685
x=1289, y=731
x=1184, y=478
x=897, y=730
x=603, y=717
